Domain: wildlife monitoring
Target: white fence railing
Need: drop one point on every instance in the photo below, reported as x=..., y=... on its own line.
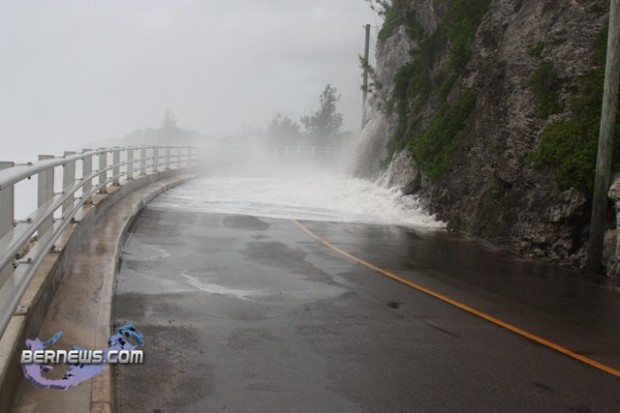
x=25, y=242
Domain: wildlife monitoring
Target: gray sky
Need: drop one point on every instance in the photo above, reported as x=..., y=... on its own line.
x=81, y=71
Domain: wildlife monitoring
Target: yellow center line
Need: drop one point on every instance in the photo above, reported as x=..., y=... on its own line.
x=464, y=307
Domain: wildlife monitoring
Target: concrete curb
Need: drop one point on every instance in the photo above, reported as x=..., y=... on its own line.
x=37, y=306
x=102, y=395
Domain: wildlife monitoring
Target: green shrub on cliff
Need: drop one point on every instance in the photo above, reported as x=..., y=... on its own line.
x=537, y=50
x=432, y=148
x=544, y=83
x=461, y=24
x=421, y=80
x=569, y=146
x=570, y=150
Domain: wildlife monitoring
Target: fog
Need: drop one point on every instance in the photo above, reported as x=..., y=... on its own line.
x=75, y=72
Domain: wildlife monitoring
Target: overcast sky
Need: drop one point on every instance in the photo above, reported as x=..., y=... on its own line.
x=81, y=71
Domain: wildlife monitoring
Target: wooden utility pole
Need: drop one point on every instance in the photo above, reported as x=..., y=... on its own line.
x=605, y=143
x=365, y=86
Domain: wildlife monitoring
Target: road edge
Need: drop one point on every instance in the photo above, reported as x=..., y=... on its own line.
x=27, y=320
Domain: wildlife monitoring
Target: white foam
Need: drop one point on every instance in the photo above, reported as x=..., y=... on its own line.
x=323, y=198
x=218, y=289
x=162, y=253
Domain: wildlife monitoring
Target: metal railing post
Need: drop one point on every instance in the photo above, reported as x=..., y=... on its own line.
x=103, y=174
x=130, y=164
x=155, y=158
x=68, y=180
x=17, y=273
x=7, y=216
x=116, y=168
x=45, y=192
x=142, y=161
x=7, y=204
x=87, y=170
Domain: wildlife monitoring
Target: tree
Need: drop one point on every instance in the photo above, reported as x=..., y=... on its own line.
x=170, y=120
x=169, y=130
x=326, y=122
x=283, y=131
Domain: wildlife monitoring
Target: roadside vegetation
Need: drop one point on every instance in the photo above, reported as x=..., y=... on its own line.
x=569, y=145
x=421, y=81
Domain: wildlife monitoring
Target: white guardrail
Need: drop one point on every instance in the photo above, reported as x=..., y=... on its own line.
x=24, y=243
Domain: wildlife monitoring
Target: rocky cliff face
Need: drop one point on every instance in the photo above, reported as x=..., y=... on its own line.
x=484, y=184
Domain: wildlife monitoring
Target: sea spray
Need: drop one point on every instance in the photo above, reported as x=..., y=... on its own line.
x=321, y=198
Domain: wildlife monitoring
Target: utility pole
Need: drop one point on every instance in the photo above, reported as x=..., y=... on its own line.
x=365, y=86
x=605, y=142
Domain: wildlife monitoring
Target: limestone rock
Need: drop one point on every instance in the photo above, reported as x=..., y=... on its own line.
x=490, y=192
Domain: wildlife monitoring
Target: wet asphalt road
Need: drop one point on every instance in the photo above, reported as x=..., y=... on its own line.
x=242, y=314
